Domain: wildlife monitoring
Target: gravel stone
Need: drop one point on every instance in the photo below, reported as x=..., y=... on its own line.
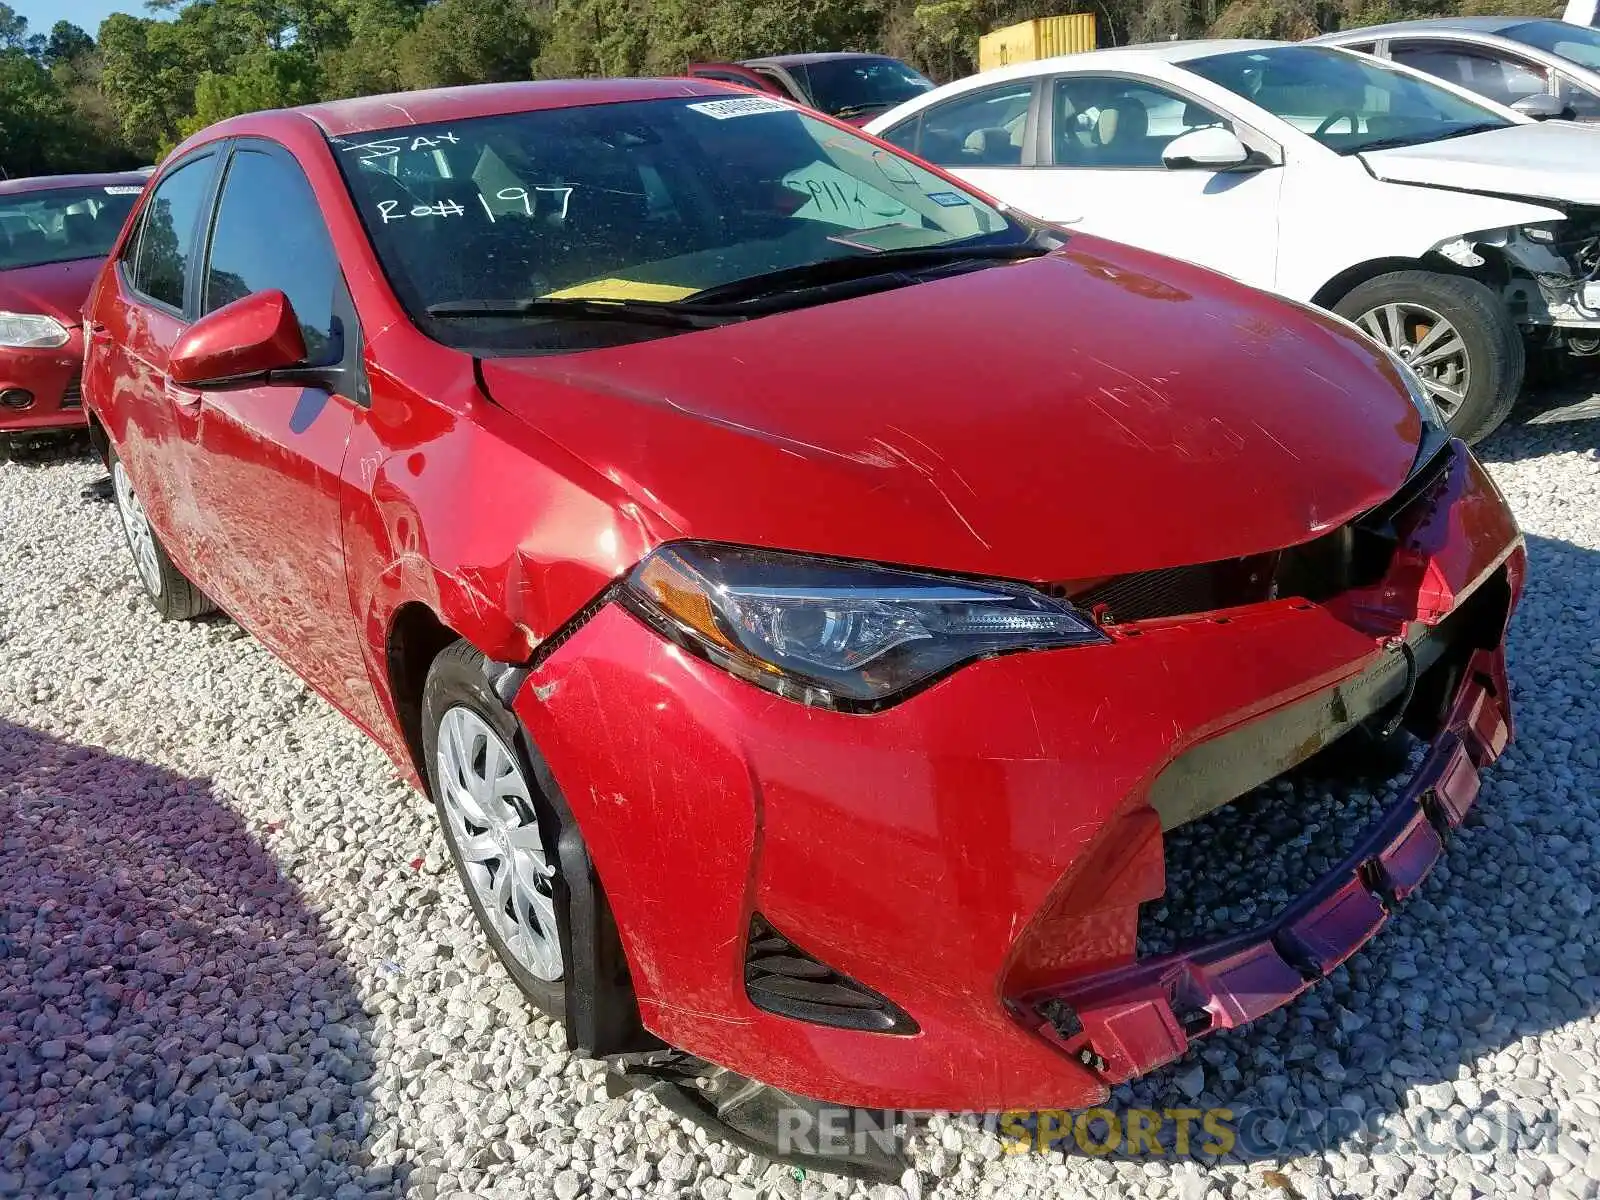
x=220, y=974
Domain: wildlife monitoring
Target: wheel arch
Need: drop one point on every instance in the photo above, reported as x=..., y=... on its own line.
x=1493, y=273
x=416, y=636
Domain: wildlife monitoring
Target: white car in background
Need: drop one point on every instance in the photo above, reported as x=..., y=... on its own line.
x=1447, y=227
x=1534, y=66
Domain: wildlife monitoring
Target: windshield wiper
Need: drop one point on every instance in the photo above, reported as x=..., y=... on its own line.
x=891, y=265
x=855, y=110
x=586, y=308
x=1394, y=143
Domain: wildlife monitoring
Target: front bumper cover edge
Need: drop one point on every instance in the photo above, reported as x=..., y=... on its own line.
x=1128, y=1021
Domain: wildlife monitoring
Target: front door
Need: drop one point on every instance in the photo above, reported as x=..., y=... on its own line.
x=1104, y=174
x=269, y=462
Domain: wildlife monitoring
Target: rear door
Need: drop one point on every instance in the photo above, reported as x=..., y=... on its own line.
x=268, y=466
x=131, y=333
x=986, y=137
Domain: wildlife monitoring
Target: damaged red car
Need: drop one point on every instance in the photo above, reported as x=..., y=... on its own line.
x=807, y=589
x=55, y=232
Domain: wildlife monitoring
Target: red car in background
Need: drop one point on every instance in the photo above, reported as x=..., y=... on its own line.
x=807, y=591
x=55, y=231
x=852, y=87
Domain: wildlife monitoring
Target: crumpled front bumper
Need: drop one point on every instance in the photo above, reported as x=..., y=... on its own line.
x=982, y=849
x=1123, y=1023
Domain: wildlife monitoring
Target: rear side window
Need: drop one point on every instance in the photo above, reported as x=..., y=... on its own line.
x=269, y=234
x=981, y=129
x=166, y=245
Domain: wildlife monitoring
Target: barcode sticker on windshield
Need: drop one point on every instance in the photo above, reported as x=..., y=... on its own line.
x=948, y=199
x=123, y=189
x=722, y=110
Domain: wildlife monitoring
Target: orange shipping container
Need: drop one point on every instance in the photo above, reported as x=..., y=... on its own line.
x=1043, y=37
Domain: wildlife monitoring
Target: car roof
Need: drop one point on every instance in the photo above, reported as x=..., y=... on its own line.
x=800, y=60
x=43, y=183
x=1436, y=25
x=1148, y=56
x=367, y=114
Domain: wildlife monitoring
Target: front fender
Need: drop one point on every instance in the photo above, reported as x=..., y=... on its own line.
x=1326, y=231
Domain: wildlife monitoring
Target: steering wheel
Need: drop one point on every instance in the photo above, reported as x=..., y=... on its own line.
x=1333, y=118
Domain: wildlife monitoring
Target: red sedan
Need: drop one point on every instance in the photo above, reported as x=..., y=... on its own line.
x=55, y=231
x=806, y=589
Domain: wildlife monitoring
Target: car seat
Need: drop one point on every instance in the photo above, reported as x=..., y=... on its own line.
x=1123, y=132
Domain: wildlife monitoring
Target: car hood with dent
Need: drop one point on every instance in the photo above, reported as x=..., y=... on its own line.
x=1553, y=160
x=56, y=289
x=1098, y=411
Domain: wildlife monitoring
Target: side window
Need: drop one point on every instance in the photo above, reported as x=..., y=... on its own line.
x=1361, y=47
x=981, y=129
x=1103, y=122
x=269, y=234
x=1503, y=80
x=1584, y=103
x=165, y=245
x=905, y=135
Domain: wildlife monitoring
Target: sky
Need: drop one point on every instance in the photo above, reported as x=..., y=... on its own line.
x=86, y=14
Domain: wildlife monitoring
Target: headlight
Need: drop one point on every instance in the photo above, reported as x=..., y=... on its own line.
x=841, y=635
x=31, y=331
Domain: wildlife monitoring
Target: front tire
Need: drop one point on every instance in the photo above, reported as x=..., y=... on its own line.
x=1455, y=333
x=501, y=832
x=169, y=589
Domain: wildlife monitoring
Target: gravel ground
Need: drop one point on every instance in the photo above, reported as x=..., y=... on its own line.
x=232, y=961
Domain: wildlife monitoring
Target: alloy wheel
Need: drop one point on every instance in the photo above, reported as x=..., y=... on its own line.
x=1430, y=344
x=487, y=802
x=141, y=538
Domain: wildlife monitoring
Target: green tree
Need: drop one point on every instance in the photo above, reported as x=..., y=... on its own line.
x=468, y=41
x=262, y=79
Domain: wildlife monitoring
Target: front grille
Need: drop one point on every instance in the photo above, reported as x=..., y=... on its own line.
x=72, y=395
x=781, y=978
x=1352, y=556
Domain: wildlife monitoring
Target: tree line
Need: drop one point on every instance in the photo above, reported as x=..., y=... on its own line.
x=124, y=95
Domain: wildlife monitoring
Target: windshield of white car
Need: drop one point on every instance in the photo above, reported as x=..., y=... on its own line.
x=1349, y=103
x=647, y=200
x=61, y=224
x=1575, y=43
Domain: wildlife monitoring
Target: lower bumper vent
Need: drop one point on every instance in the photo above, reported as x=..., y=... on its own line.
x=781, y=978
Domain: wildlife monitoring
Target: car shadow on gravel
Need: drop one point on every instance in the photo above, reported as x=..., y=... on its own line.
x=1422, y=1034
x=173, y=1018
x=1562, y=418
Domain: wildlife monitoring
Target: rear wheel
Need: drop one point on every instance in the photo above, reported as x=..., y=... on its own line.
x=168, y=588
x=1455, y=333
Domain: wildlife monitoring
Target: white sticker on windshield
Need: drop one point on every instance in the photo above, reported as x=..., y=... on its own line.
x=749, y=106
x=123, y=189
x=948, y=199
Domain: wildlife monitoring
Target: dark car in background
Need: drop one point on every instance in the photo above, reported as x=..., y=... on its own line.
x=852, y=87
x=54, y=233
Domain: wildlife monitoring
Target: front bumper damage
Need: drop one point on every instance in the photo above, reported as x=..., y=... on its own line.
x=1126, y=1022
x=1554, y=283
x=978, y=854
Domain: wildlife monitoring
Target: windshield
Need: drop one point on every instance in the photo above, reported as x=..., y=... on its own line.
x=848, y=86
x=62, y=224
x=1346, y=102
x=644, y=200
x=1575, y=43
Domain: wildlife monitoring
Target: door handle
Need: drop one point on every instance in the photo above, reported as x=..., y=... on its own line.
x=180, y=395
